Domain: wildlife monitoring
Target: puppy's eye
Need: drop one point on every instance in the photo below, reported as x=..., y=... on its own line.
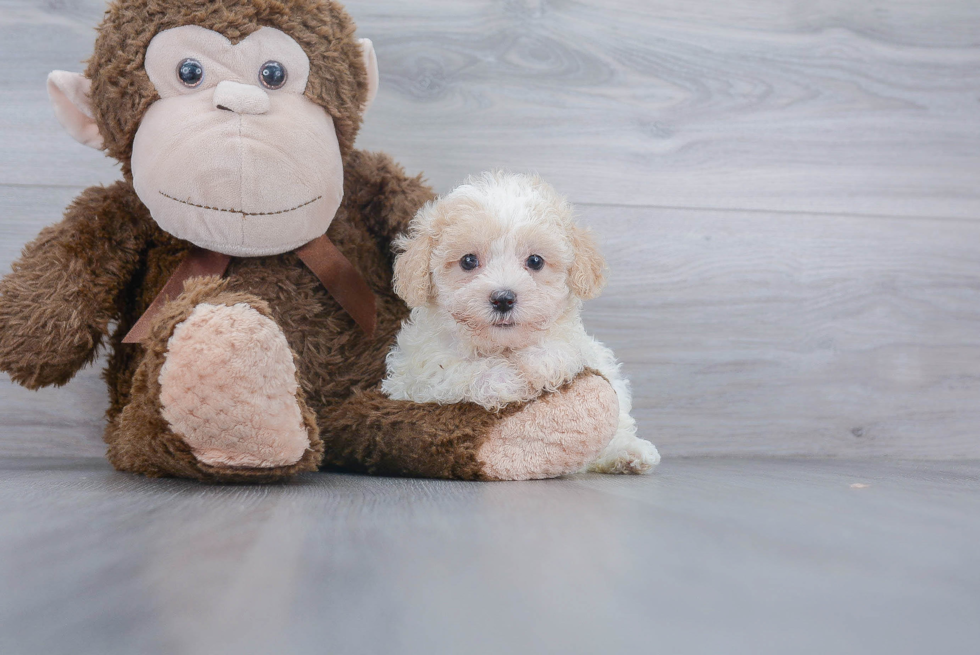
x=272, y=75
x=469, y=262
x=535, y=262
x=190, y=72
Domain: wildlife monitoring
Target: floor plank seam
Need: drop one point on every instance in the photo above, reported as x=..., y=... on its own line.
x=789, y=212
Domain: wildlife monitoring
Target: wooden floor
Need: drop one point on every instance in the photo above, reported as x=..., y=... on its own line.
x=708, y=556
x=788, y=194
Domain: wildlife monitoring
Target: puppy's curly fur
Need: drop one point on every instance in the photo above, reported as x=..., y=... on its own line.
x=496, y=272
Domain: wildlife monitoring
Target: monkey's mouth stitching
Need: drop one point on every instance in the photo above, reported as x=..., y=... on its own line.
x=238, y=211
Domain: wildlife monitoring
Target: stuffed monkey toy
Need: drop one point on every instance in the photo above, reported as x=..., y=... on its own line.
x=240, y=272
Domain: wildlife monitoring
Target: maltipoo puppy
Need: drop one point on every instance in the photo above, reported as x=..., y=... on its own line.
x=495, y=273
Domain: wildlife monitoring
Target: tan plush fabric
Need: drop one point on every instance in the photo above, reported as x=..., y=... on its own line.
x=260, y=177
x=228, y=387
x=371, y=69
x=554, y=435
x=69, y=94
x=223, y=60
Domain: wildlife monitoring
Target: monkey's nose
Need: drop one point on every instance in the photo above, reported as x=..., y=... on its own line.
x=240, y=98
x=503, y=300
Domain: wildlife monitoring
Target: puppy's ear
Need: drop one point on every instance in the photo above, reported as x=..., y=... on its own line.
x=412, y=280
x=586, y=277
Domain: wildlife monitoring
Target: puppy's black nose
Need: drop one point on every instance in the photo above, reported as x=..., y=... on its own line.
x=503, y=301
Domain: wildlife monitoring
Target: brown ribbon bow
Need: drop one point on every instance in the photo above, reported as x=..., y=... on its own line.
x=320, y=255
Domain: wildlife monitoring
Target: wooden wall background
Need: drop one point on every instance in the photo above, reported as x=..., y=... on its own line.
x=788, y=193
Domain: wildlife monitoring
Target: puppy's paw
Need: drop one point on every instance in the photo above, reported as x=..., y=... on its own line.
x=547, y=368
x=499, y=385
x=629, y=455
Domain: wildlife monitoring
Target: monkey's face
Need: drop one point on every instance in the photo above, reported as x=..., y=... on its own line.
x=233, y=157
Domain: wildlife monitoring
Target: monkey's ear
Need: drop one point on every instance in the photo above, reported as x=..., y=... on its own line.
x=69, y=93
x=371, y=65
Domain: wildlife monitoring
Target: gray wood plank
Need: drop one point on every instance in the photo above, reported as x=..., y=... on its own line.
x=705, y=556
x=800, y=334
x=825, y=106
x=36, y=38
x=812, y=106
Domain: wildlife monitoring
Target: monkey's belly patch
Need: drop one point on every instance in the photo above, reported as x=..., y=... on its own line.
x=228, y=388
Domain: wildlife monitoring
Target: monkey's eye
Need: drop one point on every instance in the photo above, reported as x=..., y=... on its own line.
x=272, y=75
x=469, y=262
x=535, y=262
x=190, y=72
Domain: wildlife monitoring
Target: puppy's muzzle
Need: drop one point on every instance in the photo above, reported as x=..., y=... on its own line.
x=503, y=300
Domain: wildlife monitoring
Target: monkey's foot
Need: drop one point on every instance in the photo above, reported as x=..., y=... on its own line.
x=557, y=434
x=228, y=388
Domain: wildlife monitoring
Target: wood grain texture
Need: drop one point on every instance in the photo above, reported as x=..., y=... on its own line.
x=828, y=305
x=813, y=106
x=36, y=38
x=705, y=556
x=795, y=334
x=826, y=106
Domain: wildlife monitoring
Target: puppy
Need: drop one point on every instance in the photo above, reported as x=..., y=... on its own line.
x=495, y=273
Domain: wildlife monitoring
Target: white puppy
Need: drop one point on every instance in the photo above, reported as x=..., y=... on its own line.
x=496, y=272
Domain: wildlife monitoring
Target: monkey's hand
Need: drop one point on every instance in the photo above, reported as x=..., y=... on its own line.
x=56, y=304
x=555, y=434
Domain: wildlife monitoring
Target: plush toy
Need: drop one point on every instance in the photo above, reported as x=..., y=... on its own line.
x=241, y=269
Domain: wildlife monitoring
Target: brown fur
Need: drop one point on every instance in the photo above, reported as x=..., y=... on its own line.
x=373, y=434
x=69, y=283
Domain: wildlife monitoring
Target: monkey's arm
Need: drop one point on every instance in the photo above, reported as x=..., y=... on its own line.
x=373, y=434
x=56, y=304
x=555, y=434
